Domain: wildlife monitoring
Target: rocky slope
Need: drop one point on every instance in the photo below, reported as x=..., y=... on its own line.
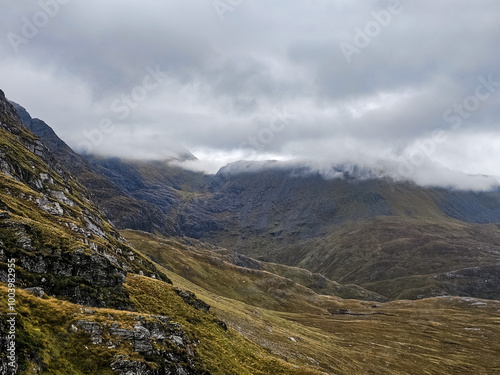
x=64, y=247
x=62, y=241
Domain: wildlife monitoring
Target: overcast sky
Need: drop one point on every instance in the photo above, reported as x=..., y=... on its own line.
x=410, y=86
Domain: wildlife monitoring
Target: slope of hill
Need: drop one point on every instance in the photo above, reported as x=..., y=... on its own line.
x=63, y=243
x=215, y=269
x=433, y=336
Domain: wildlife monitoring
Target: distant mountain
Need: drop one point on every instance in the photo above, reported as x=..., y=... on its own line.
x=133, y=194
x=395, y=238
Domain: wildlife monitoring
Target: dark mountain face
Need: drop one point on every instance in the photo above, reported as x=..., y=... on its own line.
x=132, y=194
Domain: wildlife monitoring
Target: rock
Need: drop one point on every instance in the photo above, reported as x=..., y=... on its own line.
x=61, y=197
x=4, y=215
x=23, y=240
x=190, y=299
x=36, y=291
x=93, y=329
x=243, y=261
x=172, y=348
x=46, y=178
x=142, y=342
x=221, y=324
x=53, y=208
x=94, y=228
x=123, y=366
x=126, y=334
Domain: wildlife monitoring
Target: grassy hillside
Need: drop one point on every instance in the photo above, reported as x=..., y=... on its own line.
x=323, y=335
x=57, y=337
x=392, y=255
x=266, y=285
x=432, y=336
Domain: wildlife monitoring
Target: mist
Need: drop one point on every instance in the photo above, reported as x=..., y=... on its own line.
x=406, y=89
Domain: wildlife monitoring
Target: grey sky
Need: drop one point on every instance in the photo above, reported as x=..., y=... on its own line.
x=265, y=79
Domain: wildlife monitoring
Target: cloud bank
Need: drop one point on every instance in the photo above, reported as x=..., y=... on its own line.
x=414, y=85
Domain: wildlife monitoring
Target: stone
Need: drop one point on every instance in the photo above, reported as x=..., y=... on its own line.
x=36, y=291
x=190, y=299
x=93, y=329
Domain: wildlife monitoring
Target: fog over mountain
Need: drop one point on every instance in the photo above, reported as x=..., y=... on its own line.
x=408, y=88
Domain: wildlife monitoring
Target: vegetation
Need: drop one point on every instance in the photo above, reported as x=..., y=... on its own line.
x=450, y=335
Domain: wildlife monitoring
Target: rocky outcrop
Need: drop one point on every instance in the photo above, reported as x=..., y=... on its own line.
x=190, y=299
x=155, y=338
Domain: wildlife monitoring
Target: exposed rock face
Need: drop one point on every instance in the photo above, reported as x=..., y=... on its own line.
x=152, y=337
x=279, y=204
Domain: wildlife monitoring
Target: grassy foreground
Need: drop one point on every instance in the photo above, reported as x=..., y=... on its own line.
x=49, y=343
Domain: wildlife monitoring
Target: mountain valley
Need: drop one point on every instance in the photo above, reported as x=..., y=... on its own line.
x=143, y=267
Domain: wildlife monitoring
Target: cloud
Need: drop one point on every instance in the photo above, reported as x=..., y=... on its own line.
x=224, y=81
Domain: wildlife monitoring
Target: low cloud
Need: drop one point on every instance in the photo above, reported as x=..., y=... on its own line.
x=224, y=82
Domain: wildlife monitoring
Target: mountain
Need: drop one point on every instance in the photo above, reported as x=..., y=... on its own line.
x=393, y=238
x=77, y=286
x=133, y=194
x=91, y=299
